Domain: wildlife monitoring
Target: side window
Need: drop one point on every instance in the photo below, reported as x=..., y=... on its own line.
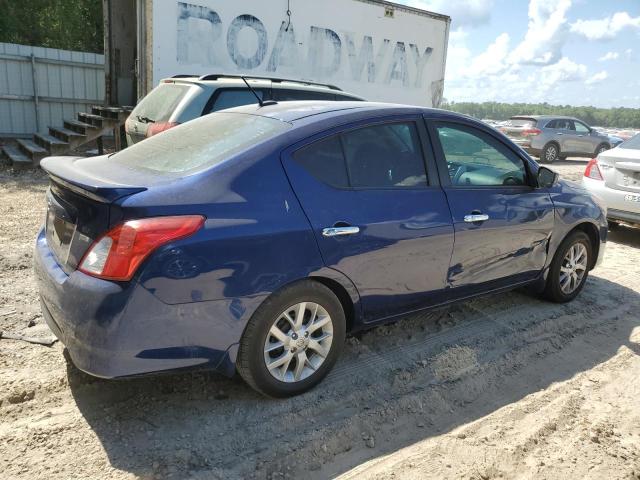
x=581, y=128
x=552, y=124
x=379, y=156
x=324, y=160
x=383, y=156
x=284, y=95
x=474, y=158
x=229, y=98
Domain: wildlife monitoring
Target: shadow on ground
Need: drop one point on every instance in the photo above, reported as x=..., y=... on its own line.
x=200, y=425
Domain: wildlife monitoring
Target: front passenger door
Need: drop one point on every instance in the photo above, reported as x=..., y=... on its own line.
x=501, y=223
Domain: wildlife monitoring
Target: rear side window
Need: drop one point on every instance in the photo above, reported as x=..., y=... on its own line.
x=284, y=95
x=230, y=98
x=379, y=156
x=201, y=143
x=325, y=161
x=161, y=102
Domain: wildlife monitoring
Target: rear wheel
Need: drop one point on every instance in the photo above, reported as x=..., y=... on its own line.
x=569, y=269
x=550, y=153
x=293, y=340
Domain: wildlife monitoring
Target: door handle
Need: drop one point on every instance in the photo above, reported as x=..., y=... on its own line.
x=337, y=231
x=558, y=133
x=476, y=217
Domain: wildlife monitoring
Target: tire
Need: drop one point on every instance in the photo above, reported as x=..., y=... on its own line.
x=281, y=381
x=554, y=287
x=601, y=148
x=550, y=153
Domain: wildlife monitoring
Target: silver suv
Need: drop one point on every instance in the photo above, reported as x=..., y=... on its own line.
x=182, y=98
x=552, y=137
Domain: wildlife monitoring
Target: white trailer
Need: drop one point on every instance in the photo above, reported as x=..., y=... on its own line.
x=378, y=50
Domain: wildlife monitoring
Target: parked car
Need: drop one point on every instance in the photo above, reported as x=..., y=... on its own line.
x=255, y=239
x=551, y=138
x=614, y=176
x=182, y=98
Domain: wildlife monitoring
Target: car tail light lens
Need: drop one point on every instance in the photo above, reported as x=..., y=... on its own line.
x=159, y=127
x=531, y=132
x=593, y=171
x=119, y=252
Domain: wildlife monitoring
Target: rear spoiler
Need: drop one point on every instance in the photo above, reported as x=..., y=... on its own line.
x=65, y=171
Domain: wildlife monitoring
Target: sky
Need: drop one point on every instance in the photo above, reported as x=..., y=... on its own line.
x=564, y=52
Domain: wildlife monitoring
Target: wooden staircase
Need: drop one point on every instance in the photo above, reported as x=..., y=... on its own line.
x=75, y=133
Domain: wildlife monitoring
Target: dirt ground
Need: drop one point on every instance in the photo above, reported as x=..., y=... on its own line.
x=506, y=386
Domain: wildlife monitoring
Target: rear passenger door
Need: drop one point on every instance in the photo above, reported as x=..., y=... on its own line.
x=502, y=223
x=374, y=202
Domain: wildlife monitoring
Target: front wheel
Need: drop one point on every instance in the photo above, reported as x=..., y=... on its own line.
x=293, y=340
x=569, y=269
x=601, y=148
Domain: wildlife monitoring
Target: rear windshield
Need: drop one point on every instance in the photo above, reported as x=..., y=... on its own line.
x=521, y=122
x=633, y=143
x=200, y=143
x=161, y=102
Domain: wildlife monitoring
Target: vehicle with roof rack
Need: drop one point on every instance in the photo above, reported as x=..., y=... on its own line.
x=184, y=97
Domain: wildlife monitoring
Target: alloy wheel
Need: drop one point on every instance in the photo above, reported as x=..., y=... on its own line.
x=550, y=153
x=298, y=342
x=573, y=269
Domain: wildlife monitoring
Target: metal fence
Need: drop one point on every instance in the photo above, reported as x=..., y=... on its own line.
x=39, y=87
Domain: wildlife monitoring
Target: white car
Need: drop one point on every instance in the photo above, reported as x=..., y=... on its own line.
x=614, y=176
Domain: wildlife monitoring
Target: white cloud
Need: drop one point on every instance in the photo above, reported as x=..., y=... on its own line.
x=628, y=53
x=469, y=13
x=605, y=28
x=546, y=34
x=493, y=60
x=564, y=70
x=597, y=78
x=609, y=56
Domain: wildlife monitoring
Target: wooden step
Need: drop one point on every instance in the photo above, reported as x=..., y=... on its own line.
x=114, y=113
x=18, y=159
x=32, y=150
x=91, y=119
x=66, y=135
x=54, y=145
x=79, y=127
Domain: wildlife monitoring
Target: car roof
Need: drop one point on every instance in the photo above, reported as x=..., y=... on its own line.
x=220, y=81
x=321, y=110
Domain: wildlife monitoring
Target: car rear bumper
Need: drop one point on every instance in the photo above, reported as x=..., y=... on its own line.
x=116, y=329
x=617, y=207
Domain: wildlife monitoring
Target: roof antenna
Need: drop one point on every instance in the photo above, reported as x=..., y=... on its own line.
x=261, y=102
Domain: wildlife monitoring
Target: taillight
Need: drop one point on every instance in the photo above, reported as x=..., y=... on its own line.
x=159, y=127
x=593, y=171
x=531, y=132
x=119, y=252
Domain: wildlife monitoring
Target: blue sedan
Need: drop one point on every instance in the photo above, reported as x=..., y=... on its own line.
x=253, y=240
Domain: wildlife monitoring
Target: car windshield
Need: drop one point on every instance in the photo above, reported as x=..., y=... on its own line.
x=633, y=143
x=201, y=143
x=160, y=103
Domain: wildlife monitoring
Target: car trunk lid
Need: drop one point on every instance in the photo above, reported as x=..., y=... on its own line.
x=519, y=127
x=80, y=205
x=621, y=169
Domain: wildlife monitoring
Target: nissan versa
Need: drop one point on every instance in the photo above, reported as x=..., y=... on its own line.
x=255, y=239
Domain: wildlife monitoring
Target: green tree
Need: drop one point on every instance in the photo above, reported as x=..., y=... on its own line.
x=64, y=24
x=620, y=117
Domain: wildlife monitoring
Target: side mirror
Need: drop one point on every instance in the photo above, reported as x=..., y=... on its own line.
x=546, y=178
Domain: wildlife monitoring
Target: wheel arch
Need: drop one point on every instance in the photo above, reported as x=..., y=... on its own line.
x=594, y=236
